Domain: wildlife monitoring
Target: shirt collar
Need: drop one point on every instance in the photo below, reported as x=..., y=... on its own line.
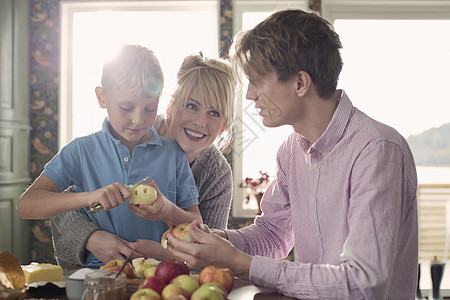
x=335, y=128
x=156, y=138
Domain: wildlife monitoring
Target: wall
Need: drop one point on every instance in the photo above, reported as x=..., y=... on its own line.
x=44, y=68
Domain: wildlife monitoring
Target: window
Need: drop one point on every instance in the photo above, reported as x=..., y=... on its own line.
x=91, y=31
x=251, y=151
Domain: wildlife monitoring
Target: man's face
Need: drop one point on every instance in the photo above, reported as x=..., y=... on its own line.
x=131, y=117
x=276, y=100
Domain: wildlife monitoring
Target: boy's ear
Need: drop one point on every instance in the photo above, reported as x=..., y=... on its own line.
x=304, y=83
x=100, y=96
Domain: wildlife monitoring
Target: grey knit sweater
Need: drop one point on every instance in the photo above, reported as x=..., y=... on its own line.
x=212, y=174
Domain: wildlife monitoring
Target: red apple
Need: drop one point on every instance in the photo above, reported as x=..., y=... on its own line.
x=145, y=294
x=172, y=289
x=207, y=293
x=187, y=282
x=220, y=275
x=154, y=283
x=169, y=269
x=115, y=265
x=181, y=232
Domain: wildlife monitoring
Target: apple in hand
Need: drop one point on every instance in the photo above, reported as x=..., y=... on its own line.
x=207, y=293
x=187, y=282
x=141, y=264
x=169, y=269
x=145, y=294
x=172, y=289
x=115, y=265
x=143, y=194
x=181, y=232
x=220, y=275
x=154, y=283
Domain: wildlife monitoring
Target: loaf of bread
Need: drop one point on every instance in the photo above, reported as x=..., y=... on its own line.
x=11, y=274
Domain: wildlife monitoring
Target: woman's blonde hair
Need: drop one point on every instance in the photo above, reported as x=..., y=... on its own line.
x=215, y=80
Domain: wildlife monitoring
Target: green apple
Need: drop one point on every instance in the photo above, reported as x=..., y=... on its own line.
x=145, y=294
x=217, y=287
x=207, y=293
x=172, y=289
x=143, y=194
x=141, y=264
x=181, y=232
x=187, y=282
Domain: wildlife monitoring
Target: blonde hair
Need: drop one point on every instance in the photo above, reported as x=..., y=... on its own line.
x=216, y=81
x=135, y=68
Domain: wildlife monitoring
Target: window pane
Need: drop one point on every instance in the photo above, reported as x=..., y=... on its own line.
x=96, y=35
x=396, y=71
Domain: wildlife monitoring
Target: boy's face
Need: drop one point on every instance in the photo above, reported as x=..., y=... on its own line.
x=131, y=117
x=277, y=101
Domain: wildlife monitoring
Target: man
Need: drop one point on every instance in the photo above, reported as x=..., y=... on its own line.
x=345, y=192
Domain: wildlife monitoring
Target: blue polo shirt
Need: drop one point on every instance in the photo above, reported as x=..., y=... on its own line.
x=99, y=159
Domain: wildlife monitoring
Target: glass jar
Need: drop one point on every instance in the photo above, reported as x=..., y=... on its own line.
x=103, y=285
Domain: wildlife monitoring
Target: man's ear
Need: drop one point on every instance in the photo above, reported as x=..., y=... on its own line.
x=304, y=83
x=100, y=96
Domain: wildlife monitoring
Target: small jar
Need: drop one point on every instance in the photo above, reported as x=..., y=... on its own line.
x=103, y=285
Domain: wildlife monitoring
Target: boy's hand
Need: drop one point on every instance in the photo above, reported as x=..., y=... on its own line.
x=110, y=196
x=156, y=211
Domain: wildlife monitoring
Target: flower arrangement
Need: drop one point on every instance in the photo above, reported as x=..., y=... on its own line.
x=255, y=188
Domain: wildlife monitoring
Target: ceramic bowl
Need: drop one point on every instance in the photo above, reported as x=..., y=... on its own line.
x=74, y=286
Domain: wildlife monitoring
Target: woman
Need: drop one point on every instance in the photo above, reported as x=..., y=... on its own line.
x=201, y=109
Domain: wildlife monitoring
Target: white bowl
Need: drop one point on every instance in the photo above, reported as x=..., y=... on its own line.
x=74, y=287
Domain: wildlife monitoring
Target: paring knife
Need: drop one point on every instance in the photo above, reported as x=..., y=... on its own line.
x=96, y=207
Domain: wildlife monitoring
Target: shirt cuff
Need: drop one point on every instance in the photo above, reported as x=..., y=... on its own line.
x=236, y=239
x=264, y=272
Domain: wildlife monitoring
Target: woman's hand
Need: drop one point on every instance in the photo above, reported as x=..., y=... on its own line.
x=109, y=196
x=210, y=249
x=150, y=249
x=107, y=246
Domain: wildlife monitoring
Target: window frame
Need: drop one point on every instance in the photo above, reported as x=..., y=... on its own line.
x=239, y=8
x=69, y=7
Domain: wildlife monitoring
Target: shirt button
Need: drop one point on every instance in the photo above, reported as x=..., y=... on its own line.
x=117, y=142
x=312, y=200
x=315, y=166
x=324, y=153
x=126, y=159
x=317, y=234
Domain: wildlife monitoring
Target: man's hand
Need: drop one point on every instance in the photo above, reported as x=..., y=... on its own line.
x=107, y=246
x=210, y=249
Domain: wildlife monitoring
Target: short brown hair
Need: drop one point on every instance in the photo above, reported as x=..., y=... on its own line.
x=290, y=41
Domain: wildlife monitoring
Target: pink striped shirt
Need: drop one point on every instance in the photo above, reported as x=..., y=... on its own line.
x=348, y=203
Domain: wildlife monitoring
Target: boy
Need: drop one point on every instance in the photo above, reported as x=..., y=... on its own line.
x=345, y=192
x=127, y=149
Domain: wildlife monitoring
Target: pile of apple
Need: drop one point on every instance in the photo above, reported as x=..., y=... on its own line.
x=172, y=280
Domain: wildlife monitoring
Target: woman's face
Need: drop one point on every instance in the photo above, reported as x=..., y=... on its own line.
x=194, y=126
